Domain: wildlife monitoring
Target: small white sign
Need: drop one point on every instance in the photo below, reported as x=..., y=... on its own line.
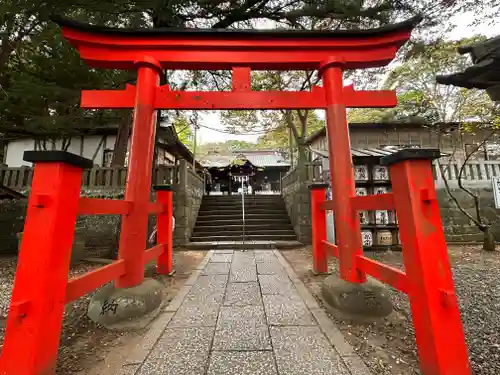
x=495, y=181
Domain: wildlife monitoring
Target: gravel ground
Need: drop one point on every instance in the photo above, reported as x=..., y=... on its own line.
x=84, y=345
x=388, y=346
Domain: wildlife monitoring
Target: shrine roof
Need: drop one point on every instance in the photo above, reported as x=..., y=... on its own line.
x=257, y=158
x=484, y=74
x=407, y=25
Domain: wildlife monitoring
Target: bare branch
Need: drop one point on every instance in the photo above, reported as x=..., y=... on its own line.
x=460, y=174
x=449, y=192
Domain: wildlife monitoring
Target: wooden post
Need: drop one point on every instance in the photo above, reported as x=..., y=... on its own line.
x=434, y=305
x=164, y=196
x=134, y=233
x=318, y=219
x=347, y=225
x=37, y=306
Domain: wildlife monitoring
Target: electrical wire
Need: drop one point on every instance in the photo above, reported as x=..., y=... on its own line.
x=226, y=131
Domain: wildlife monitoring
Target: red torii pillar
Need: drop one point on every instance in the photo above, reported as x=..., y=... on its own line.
x=133, y=234
x=347, y=225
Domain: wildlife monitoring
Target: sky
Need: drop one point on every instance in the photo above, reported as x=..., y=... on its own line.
x=211, y=119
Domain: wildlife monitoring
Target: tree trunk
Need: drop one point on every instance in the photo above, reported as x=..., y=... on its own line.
x=488, y=240
x=302, y=161
x=121, y=142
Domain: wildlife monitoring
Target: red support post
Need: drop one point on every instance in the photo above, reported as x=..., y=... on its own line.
x=36, y=310
x=319, y=236
x=347, y=226
x=164, y=196
x=435, y=312
x=133, y=235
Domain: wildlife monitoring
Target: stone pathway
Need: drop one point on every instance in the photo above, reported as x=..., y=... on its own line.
x=244, y=313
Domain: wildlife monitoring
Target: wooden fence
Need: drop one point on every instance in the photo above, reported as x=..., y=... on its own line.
x=476, y=173
x=95, y=178
x=292, y=176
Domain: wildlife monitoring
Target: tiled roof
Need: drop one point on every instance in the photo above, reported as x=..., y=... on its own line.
x=359, y=152
x=484, y=73
x=362, y=152
x=365, y=152
x=268, y=159
x=217, y=161
x=257, y=158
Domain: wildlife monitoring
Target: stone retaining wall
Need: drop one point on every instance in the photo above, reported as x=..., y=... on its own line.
x=187, y=202
x=296, y=194
x=11, y=222
x=102, y=231
x=458, y=228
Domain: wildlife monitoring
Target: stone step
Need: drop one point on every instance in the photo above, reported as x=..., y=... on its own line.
x=228, y=209
x=247, y=245
x=239, y=211
x=248, y=232
x=267, y=237
x=249, y=227
x=217, y=216
x=249, y=221
x=256, y=197
x=247, y=203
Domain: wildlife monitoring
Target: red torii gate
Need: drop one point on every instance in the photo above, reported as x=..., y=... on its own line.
x=35, y=316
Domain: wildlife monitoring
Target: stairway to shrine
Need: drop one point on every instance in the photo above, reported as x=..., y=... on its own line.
x=220, y=220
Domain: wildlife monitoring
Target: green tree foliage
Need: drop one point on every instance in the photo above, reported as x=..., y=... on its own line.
x=277, y=124
x=184, y=131
x=422, y=99
x=41, y=76
x=225, y=147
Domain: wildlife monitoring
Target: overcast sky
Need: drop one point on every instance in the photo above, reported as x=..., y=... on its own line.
x=462, y=30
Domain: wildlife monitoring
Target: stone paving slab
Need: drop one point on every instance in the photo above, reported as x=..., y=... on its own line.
x=128, y=370
x=195, y=315
x=208, y=282
x=277, y=284
x=242, y=363
x=180, y=351
x=269, y=268
x=202, y=296
x=221, y=258
x=243, y=294
x=246, y=260
x=264, y=256
x=244, y=313
x=241, y=315
x=185, y=338
x=185, y=362
x=285, y=311
x=243, y=274
x=216, y=269
x=305, y=350
x=242, y=337
x=178, y=299
x=142, y=349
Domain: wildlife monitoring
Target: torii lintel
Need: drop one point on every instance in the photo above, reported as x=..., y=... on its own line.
x=223, y=49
